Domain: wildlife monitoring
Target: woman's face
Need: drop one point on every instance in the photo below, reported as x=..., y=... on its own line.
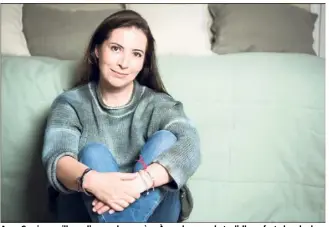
x=121, y=57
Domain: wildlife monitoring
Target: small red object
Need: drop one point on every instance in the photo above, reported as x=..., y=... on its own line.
x=141, y=160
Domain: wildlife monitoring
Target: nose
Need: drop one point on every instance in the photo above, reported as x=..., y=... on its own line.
x=123, y=61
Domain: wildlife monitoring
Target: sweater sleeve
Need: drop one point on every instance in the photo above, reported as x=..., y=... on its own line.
x=62, y=135
x=183, y=158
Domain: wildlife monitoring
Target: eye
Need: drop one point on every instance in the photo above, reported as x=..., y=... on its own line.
x=137, y=54
x=115, y=48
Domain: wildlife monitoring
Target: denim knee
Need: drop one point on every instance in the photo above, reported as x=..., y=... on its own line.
x=92, y=151
x=98, y=157
x=164, y=136
x=159, y=142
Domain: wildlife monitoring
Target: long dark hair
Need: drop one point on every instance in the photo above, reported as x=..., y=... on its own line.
x=148, y=76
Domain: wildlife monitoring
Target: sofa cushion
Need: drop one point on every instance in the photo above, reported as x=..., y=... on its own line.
x=262, y=129
x=29, y=86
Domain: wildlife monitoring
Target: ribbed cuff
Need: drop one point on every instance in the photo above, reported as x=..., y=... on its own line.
x=178, y=177
x=52, y=176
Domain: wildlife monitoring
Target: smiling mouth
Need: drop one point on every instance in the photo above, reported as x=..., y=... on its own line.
x=122, y=74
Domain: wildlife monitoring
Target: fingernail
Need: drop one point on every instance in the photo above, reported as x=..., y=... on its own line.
x=93, y=203
x=111, y=211
x=94, y=209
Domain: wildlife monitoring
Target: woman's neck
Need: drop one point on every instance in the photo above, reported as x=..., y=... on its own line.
x=115, y=97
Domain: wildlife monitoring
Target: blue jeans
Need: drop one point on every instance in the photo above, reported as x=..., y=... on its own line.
x=158, y=206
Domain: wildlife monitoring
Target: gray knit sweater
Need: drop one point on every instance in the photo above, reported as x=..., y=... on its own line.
x=79, y=116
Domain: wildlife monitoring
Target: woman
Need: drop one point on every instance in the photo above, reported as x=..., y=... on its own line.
x=117, y=147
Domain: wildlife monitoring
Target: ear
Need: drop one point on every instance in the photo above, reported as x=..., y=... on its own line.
x=96, y=52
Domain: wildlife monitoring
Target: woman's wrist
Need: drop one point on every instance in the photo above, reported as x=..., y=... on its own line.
x=143, y=182
x=88, y=181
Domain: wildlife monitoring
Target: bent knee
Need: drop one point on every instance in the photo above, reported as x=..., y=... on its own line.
x=93, y=151
x=161, y=141
x=98, y=157
x=164, y=136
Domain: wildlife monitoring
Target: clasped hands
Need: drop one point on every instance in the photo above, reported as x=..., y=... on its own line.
x=114, y=191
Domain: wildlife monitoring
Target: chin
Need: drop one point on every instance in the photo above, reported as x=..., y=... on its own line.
x=118, y=83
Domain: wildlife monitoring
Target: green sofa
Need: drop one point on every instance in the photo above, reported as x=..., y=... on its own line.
x=261, y=118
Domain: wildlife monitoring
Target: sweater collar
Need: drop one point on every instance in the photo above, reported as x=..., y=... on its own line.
x=130, y=106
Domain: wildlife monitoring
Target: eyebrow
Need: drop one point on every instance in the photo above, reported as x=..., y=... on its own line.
x=123, y=47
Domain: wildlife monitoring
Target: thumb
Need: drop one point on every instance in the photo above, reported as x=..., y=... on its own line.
x=127, y=176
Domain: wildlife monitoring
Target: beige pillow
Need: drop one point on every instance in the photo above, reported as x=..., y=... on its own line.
x=261, y=28
x=83, y=7
x=178, y=29
x=63, y=31
x=13, y=41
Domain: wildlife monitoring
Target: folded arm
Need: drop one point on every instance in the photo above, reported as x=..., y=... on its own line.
x=180, y=162
x=60, y=149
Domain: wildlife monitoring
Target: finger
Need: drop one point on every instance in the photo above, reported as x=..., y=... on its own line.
x=103, y=209
x=127, y=176
x=116, y=207
x=94, y=202
x=122, y=203
x=99, y=205
x=128, y=198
